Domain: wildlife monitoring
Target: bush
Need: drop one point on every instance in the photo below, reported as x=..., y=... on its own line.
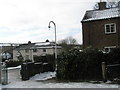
x=114, y=56
x=50, y=59
x=13, y=63
x=40, y=59
x=28, y=60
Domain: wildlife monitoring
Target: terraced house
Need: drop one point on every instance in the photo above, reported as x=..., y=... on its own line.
x=101, y=28
x=30, y=50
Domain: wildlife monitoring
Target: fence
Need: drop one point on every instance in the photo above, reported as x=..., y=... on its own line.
x=30, y=69
x=110, y=72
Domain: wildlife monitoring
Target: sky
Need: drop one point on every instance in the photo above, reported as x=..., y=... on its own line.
x=27, y=20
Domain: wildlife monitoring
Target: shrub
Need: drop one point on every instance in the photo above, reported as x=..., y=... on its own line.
x=13, y=63
x=28, y=60
x=40, y=59
x=80, y=65
x=86, y=65
x=50, y=59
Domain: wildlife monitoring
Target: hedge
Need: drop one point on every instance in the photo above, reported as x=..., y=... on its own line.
x=50, y=59
x=84, y=65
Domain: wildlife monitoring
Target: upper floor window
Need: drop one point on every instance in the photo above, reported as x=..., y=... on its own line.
x=26, y=50
x=110, y=28
x=34, y=50
x=44, y=50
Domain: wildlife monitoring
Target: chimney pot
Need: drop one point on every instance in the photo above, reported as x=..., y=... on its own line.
x=102, y=5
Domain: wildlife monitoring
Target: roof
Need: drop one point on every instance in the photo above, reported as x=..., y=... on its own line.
x=39, y=45
x=101, y=14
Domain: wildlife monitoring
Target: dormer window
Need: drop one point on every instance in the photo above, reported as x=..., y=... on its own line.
x=110, y=28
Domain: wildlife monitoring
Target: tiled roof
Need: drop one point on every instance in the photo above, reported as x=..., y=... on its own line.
x=101, y=14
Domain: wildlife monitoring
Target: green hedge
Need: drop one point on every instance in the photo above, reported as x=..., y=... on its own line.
x=13, y=63
x=84, y=65
x=50, y=59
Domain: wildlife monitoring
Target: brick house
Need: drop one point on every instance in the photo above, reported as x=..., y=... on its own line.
x=101, y=28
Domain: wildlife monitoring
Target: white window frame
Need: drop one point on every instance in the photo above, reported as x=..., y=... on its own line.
x=109, y=48
x=110, y=28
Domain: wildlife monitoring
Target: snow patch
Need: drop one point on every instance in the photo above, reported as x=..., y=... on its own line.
x=14, y=67
x=0, y=86
x=43, y=43
x=101, y=14
x=43, y=76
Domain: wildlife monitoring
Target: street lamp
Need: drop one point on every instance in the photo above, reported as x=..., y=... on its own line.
x=55, y=44
x=0, y=64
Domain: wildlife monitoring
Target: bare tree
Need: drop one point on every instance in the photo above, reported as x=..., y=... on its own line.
x=110, y=4
x=68, y=43
x=68, y=40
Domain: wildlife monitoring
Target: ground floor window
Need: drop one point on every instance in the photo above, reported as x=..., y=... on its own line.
x=27, y=57
x=108, y=49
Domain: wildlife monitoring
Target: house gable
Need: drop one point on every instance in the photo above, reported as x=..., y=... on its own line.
x=94, y=25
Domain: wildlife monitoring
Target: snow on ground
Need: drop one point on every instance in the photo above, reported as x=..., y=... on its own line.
x=43, y=76
x=0, y=86
x=14, y=67
x=34, y=84
x=40, y=81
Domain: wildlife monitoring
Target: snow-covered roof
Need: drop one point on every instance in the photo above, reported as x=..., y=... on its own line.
x=47, y=47
x=101, y=14
x=43, y=43
x=40, y=45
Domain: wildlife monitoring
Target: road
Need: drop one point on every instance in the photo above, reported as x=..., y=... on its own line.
x=14, y=75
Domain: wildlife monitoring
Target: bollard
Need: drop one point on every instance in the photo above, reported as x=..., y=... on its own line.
x=104, y=71
x=0, y=72
x=4, y=74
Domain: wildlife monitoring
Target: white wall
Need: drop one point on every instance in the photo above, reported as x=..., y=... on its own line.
x=39, y=52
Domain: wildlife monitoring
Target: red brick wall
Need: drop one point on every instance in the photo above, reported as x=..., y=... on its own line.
x=94, y=34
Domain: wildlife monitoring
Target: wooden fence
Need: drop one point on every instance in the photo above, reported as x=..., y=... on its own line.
x=110, y=72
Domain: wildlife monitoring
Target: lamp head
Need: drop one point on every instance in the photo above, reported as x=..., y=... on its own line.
x=49, y=27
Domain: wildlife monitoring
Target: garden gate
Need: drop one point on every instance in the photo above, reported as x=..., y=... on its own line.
x=110, y=72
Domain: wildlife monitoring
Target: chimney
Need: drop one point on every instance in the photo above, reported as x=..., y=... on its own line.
x=29, y=42
x=102, y=5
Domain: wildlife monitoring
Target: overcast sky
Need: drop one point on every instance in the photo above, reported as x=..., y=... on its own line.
x=27, y=20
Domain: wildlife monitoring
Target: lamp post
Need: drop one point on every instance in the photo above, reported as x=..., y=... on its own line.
x=0, y=64
x=55, y=43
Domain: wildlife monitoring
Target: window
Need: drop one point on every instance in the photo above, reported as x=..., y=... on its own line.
x=27, y=57
x=26, y=50
x=34, y=50
x=44, y=50
x=110, y=28
x=108, y=49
